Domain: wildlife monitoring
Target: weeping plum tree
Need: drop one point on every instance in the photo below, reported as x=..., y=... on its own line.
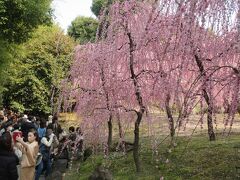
x=123, y=63
x=101, y=34
x=128, y=66
x=162, y=52
x=197, y=51
x=205, y=58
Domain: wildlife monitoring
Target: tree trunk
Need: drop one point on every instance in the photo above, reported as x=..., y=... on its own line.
x=52, y=99
x=108, y=106
x=109, y=132
x=101, y=34
x=170, y=117
x=211, y=133
x=120, y=131
x=136, y=142
x=138, y=96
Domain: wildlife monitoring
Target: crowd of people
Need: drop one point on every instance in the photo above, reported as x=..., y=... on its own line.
x=31, y=147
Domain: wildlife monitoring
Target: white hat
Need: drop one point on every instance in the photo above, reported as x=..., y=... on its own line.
x=25, y=116
x=50, y=118
x=64, y=134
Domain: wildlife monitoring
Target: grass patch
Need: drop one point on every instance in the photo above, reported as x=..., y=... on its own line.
x=190, y=159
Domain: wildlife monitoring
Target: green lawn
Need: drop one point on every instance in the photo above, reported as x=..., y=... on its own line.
x=194, y=158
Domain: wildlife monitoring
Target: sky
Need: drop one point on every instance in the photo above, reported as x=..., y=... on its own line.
x=67, y=10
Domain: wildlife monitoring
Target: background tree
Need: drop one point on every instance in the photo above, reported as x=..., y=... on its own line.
x=6, y=55
x=97, y=6
x=17, y=20
x=83, y=29
x=34, y=83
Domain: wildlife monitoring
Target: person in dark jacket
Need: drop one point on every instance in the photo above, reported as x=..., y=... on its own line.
x=61, y=160
x=72, y=134
x=26, y=126
x=55, y=126
x=8, y=160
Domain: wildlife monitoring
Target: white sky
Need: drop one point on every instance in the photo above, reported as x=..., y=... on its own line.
x=67, y=10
